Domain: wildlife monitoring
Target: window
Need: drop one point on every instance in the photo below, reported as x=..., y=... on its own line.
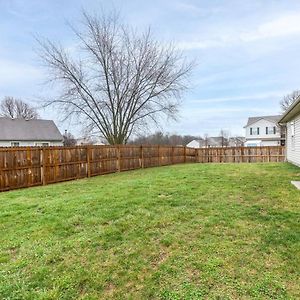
x=271, y=130
x=42, y=144
x=15, y=144
x=254, y=131
x=293, y=135
x=293, y=128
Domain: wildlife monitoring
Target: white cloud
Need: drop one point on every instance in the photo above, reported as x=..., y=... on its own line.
x=212, y=113
x=198, y=9
x=282, y=26
x=205, y=44
x=33, y=10
x=259, y=96
x=15, y=73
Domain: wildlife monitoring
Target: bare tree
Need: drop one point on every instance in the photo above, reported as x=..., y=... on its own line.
x=205, y=138
x=69, y=139
x=120, y=82
x=224, y=137
x=16, y=108
x=289, y=99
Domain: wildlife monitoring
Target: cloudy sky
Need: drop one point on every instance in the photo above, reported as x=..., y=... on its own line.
x=248, y=52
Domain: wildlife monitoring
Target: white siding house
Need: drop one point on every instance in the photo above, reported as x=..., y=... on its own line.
x=264, y=131
x=292, y=120
x=216, y=141
x=23, y=133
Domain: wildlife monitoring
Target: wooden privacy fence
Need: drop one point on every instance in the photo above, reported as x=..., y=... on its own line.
x=31, y=166
x=241, y=154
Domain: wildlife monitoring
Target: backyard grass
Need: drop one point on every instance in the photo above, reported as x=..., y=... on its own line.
x=194, y=231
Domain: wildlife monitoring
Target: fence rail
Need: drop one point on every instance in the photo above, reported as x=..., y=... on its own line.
x=31, y=166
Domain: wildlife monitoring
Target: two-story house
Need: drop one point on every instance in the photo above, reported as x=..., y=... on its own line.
x=264, y=131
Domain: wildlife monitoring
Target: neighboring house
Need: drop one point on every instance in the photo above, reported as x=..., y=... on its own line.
x=264, y=131
x=208, y=142
x=36, y=132
x=195, y=143
x=291, y=119
x=237, y=141
x=89, y=141
x=215, y=141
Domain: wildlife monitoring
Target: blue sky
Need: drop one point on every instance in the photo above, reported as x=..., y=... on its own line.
x=248, y=53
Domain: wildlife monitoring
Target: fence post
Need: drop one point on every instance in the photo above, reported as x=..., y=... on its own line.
x=172, y=155
x=159, y=160
x=242, y=153
x=118, y=158
x=43, y=165
x=88, y=161
x=200, y=155
x=249, y=156
x=184, y=154
x=141, y=157
x=28, y=164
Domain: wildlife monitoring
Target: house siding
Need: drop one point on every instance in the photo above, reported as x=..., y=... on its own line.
x=266, y=139
x=293, y=151
x=30, y=143
x=270, y=143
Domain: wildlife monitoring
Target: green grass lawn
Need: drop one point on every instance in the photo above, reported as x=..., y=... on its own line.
x=194, y=231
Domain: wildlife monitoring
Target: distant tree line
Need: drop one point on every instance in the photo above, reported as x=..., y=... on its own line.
x=160, y=138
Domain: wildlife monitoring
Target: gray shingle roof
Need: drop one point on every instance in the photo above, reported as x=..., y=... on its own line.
x=252, y=120
x=28, y=130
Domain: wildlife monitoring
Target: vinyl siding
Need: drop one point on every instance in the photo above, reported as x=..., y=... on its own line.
x=273, y=139
x=29, y=143
x=269, y=143
x=293, y=153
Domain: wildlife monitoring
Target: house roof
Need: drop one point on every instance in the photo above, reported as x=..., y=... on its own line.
x=213, y=141
x=28, y=130
x=291, y=112
x=241, y=138
x=253, y=120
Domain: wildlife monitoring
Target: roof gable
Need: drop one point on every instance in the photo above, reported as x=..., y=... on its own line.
x=273, y=119
x=28, y=130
